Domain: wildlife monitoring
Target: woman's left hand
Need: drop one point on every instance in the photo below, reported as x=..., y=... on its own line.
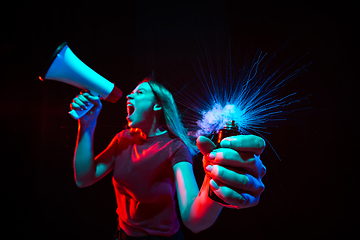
x=235, y=168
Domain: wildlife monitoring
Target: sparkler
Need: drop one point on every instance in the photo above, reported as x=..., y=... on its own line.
x=250, y=95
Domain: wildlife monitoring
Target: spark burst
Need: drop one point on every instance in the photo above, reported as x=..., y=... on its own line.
x=249, y=94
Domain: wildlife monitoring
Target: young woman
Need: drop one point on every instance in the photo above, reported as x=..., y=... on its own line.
x=153, y=159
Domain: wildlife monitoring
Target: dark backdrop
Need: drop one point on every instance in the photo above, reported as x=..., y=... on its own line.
x=310, y=194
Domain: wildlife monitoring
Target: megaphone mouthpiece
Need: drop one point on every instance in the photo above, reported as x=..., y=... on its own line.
x=115, y=95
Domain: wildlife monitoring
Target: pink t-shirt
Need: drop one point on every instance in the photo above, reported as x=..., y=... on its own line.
x=144, y=183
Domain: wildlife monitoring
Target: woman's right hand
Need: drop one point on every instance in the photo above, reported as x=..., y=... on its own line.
x=81, y=102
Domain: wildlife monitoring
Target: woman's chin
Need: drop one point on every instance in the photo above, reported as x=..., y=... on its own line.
x=131, y=123
x=136, y=121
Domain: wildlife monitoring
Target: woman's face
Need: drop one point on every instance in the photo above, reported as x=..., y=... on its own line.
x=141, y=105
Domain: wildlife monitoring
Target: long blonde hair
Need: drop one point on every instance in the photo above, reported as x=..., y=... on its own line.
x=170, y=118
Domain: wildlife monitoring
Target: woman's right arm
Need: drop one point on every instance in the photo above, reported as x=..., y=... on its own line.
x=88, y=169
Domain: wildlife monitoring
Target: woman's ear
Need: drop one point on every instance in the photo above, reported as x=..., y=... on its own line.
x=157, y=107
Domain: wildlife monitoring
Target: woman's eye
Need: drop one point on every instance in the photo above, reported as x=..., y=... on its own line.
x=139, y=92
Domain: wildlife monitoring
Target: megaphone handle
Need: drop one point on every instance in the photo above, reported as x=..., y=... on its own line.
x=76, y=114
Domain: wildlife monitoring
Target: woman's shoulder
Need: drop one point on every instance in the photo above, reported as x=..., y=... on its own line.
x=178, y=145
x=122, y=134
x=179, y=152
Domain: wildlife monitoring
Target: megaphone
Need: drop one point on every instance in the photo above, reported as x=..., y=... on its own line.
x=66, y=67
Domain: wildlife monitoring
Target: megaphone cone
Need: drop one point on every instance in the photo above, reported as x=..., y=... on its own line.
x=65, y=66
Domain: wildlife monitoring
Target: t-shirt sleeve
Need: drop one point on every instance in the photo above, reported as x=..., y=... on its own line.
x=180, y=153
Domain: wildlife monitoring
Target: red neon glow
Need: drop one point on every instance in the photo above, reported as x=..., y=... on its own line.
x=220, y=136
x=139, y=155
x=41, y=78
x=133, y=131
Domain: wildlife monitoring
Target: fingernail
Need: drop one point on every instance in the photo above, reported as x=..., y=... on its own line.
x=213, y=184
x=209, y=168
x=225, y=143
x=212, y=156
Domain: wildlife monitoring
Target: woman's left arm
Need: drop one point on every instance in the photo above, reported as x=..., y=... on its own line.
x=198, y=211
x=238, y=189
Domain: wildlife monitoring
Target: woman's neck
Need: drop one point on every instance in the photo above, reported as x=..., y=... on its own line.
x=152, y=129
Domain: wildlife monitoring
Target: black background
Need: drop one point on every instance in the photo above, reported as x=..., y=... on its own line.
x=310, y=194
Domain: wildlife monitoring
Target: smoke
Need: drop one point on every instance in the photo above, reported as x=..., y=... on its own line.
x=249, y=94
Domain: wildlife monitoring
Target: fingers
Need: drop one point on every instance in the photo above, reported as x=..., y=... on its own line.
x=234, y=198
x=263, y=170
x=77, y=104
x=96, y=100
x=244, y=161
x=235, y=168
x=230, y=157
x=246, y=143
x=84, y=101
x=235, y=180
x=205, y=145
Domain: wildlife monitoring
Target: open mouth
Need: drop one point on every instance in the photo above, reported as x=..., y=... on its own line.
x=130, y=109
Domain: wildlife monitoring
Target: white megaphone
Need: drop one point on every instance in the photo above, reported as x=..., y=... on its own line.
x=66, y=67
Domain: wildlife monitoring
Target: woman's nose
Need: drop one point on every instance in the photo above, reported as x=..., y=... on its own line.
x=130, y=96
